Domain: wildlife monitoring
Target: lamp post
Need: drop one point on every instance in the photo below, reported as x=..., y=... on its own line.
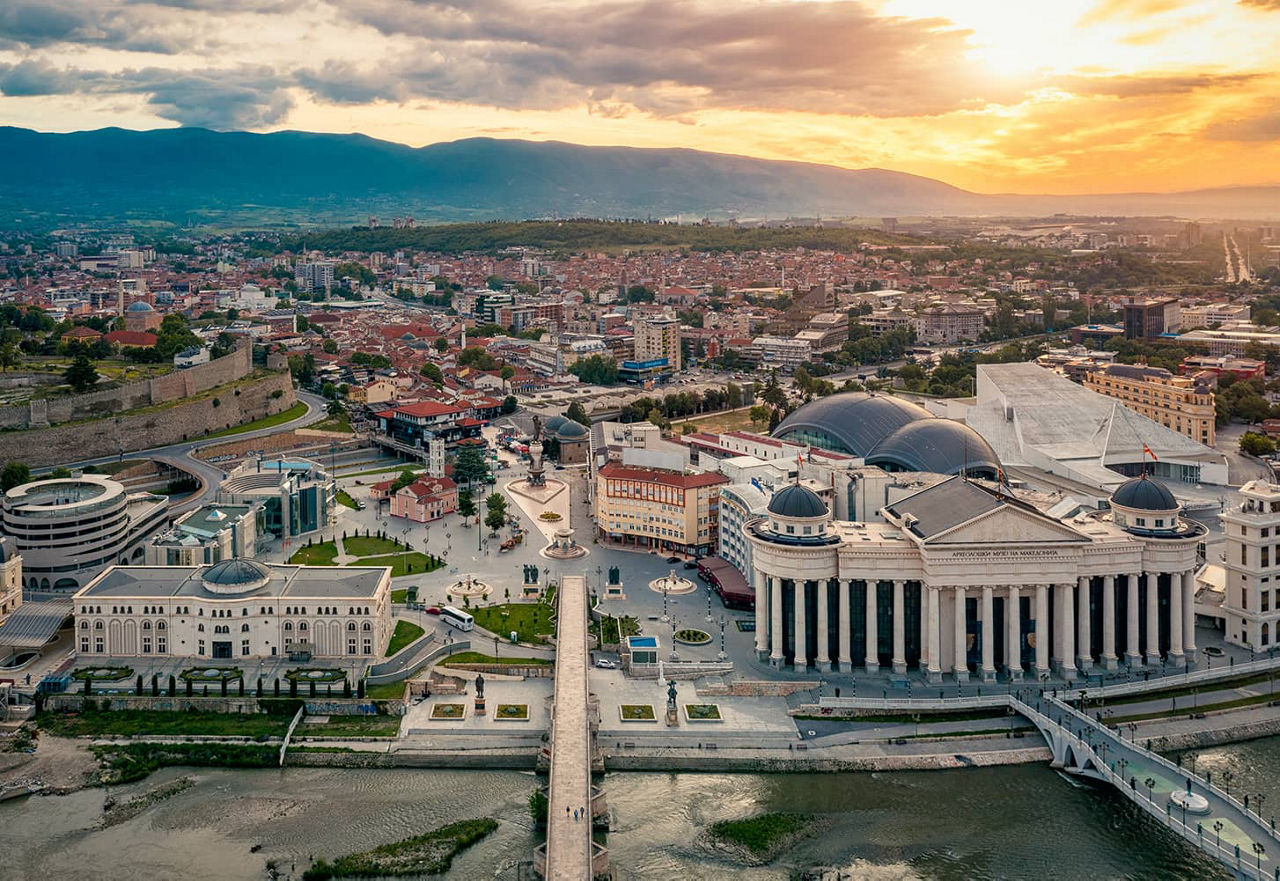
x=709, y=618
x=1226, y=782
x=1258, y=851
x=722, y=654
x=1217, y=831
x=1150, y=783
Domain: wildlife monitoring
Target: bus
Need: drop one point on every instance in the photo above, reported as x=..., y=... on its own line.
x=456, y=618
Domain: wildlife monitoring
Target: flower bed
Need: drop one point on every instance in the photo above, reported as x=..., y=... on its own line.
x=102, y=674
x=702, y=713
x=448, y=711
x=210, y=674
x=692, y=636
x=550, y=517
x=315, y=674
x=512, y=712
x=637, y=713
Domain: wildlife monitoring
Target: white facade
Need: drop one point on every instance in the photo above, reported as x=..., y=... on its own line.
x=1252, y=592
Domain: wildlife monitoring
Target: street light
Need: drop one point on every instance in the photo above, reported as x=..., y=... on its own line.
x=1217, y=831
x=1258, y=851
x=1226, y=782
x=1150, y=783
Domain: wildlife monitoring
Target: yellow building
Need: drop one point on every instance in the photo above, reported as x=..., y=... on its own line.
x=1178, y=402
x=656, y=508
x=658, y=336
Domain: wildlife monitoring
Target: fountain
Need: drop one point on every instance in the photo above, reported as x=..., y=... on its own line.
x=672, y=584
x=563, y=546
x=469, y=587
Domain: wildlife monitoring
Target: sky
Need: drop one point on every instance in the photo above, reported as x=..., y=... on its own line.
x=1025, y=96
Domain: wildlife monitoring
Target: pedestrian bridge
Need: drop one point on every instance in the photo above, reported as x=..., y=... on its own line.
x=1241, y=840
x=570, y=854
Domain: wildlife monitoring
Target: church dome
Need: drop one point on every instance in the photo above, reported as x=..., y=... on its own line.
x=797, y=501
x=1144, y=494
x=237, y=575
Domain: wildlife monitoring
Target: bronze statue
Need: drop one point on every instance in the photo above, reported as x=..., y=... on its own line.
x=671, y=694
x=480, y=685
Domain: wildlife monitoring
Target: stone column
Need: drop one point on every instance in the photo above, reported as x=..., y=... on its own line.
x=899, y=627
x=959, y=663
x=872, y=629
x=1013, y=634
x=924, y=627
x=1042, y=629
x=988, y=635
x=1189, y=617
x=1067, y=661
x=823, y=661
x=1084, y=625
x=1108, y=622
x=1132, y=652
x=846, y=632
x=775, y=625
x=801, y=660
x=762, y=617
x=934, y=673
x=1153, y=619
x=1176, y=657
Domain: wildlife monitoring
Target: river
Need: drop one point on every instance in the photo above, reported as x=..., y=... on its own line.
x=1010, y=822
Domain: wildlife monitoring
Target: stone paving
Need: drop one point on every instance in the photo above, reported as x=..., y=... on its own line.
x=569, y=819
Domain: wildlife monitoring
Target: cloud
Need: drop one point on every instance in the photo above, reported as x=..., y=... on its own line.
x=664, y=57
x=1261, y=4
x=1144, y=86
x=1263, y=125
x=167, y=27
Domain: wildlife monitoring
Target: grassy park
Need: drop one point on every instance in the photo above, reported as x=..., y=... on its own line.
x=405, y=633
x=322, y=554
x=531, y=621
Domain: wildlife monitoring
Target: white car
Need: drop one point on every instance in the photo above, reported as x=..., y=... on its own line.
x=606, y=664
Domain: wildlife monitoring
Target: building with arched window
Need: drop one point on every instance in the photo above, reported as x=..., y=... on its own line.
x=238, y=608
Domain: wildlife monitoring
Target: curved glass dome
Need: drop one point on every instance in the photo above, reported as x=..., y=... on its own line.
x=891, y=433
x=797, y=501
x=940, y=446
x=235, y=576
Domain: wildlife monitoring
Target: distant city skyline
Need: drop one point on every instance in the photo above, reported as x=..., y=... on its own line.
x=1079, y=96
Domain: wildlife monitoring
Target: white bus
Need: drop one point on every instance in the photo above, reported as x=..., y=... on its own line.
x=456, y=618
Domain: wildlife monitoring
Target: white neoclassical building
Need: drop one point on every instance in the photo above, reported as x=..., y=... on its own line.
x=235, y=609
x=964, y=579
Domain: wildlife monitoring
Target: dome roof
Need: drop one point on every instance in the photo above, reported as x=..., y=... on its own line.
x=1144, y=494
x=140, y=306
x=235, y=575
x=797, y=501
x=571, y=431
x=553, y=424
x=890, y=432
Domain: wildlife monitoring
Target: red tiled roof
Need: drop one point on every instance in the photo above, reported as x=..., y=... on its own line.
x=618, y=471
x=140, y=338
x=428, y=408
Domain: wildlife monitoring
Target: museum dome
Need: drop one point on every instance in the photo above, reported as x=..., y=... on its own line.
x=797, y=501
x=1144, y=494
x=236, y=575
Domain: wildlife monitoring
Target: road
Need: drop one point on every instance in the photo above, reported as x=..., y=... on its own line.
x=180, y=455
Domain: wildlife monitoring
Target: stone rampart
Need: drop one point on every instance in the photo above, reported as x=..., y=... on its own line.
x=131, y=396
x=127, y=432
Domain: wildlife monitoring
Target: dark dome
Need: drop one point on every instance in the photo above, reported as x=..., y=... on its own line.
x=1144, y=494
x=236, y=571
x=552, y=425
x=797, y=501
x=140, y=306
x=571, y=431
x=940, y=446
x=889, y=432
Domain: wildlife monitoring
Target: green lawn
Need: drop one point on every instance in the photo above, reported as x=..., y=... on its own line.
x=367, y=546
x=478, y=658
x=316, y=555
x=344, y=498
x=340, y=423
x=405, y=633
x=354, y=726
x=390, y=691
x=412, y=563
x=131, y=722
x=297, y=410
x=531, y=621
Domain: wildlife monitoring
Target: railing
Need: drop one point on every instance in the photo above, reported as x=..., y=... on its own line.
x=1224, y=671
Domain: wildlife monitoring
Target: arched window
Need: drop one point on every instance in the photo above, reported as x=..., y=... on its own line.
x=84, y=625
x=200, y=628
x=146, y=625
x=97, y=625
x=367, y=626
x=288, y=625
x=160, y=625
x=351, y=625
x=244, y=612
x=244, y=628
x=302, y=625
x=1266, y=633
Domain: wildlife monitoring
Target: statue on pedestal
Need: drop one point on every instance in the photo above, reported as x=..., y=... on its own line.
x=480, y=709
x=537, y=474
x=672, y=717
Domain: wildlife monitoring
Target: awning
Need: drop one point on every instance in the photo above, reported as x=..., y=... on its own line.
x=34, y=623
x=725, y=576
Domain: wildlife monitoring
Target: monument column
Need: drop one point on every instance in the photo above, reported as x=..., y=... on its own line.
x=775, y=616
x=1013, y=635
x=988, y=635
x=1084, y=625
x=872, y=629
x=762, y=616
x=821, y=594
x=899, y=627
x=1132, y=651
x=934, y=638
x=1153, y=619
x=846, y=633
x=1175, y=621
x=960, y=661
x=1189, y=616
x=1108, y=622
x=801, y=659
x=1042, y=629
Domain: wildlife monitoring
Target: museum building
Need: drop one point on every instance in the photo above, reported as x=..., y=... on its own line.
x=965, y=578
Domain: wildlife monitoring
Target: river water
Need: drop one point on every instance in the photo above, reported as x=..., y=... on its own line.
x=1012, y=822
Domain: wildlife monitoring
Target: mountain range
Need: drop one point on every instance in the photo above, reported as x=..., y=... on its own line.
x=190, y=175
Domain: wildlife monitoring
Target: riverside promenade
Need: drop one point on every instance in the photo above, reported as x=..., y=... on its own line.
x=570, y=853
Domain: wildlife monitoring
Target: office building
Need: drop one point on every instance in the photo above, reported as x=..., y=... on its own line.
x=1251, y=600
x=1182, y=403
x=671, y=511
x=658, y=336
x=1148, y=319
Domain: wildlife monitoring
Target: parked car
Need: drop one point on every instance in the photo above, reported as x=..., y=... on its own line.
x=606, y=664
x=692, y=564
x=432, y=610
x=673, y=559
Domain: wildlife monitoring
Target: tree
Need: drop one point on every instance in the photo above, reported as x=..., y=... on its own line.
x=496, y=502
x=14, y=474
x=81, y=375
x=406, y=477
x=466, y=505
x=759, y=414
x=60, y=472
x=470, y=465
x=433, y=373
x=10, y=356
x=442, y=345
x=495, y=519
x=1254, y=444
x=474, y=356
x=329, y=347
x=596, y=369
x=732, y=396
x=578, y=414
x=509, y=404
